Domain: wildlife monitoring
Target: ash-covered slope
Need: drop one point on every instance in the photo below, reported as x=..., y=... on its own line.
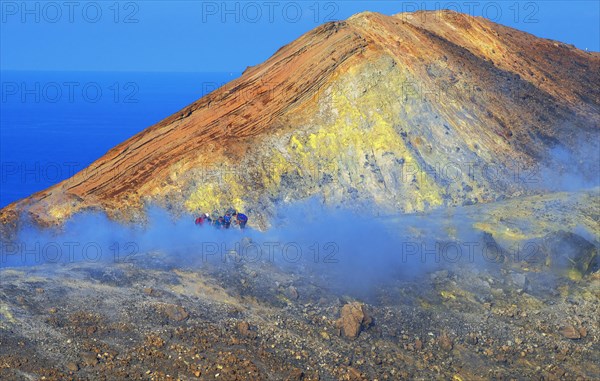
x=407, y=113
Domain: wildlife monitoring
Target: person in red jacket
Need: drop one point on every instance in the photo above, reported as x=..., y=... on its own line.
x=202, y=219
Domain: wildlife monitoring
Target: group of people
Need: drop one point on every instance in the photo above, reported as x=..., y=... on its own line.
x=231, y=217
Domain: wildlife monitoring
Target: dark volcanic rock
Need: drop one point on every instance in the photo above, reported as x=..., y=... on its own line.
x=569, y=253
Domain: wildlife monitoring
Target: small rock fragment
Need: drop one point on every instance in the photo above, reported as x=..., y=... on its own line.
x=354, y=374
x=73, y=367
x=418, y=344
x=570, y=332
x=446, y=343
x=175, y=313
x=89, y=358
x=244, y=330
x=472, y=338
x=520, y=281
x=292, y=293
x=295, y=375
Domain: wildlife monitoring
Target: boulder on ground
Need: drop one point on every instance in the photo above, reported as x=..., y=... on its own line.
x=353, y=318
x=569, y=254
x=173, y=312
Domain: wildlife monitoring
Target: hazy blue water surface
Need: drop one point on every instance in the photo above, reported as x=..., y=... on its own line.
x=53, y=124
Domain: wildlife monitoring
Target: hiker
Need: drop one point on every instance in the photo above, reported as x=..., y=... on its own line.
x=241, y=219
x=227, y=220
x=202, y=219
x=219, y=223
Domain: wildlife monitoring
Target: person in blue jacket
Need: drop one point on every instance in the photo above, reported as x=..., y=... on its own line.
x=227, y=220
x=241, y=219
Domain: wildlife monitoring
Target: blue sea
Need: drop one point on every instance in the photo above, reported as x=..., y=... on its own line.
x=53, y=124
